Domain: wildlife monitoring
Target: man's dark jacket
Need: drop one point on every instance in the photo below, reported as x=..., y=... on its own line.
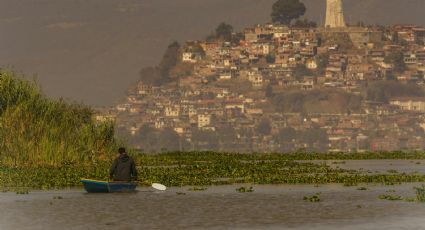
x=123, y=168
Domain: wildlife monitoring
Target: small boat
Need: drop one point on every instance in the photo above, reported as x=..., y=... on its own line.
x=97, y=186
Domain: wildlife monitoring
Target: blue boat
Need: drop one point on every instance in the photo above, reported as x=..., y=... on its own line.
x=97, y=186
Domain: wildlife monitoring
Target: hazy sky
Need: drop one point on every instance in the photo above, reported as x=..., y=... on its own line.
x=92, y=50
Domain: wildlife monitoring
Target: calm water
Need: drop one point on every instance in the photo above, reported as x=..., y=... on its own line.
x=378, y=166
x=268, y=207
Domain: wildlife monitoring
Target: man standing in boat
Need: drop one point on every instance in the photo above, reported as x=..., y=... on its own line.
x=123, y=168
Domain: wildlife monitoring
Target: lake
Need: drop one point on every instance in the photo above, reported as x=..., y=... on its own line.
x=218, y=207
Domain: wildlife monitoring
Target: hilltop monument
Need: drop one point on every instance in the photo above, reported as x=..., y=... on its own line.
x=334, y=14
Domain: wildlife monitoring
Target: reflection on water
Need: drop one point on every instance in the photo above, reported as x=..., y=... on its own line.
x=268, y=207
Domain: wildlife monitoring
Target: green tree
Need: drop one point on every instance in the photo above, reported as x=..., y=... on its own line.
x=237, y=38
x=397, y=60
x=322, y=62
x=383, y=91
x=161, y=74
x=300, y=71
x=305, y=23
x=224, y=31
x=169, y=60
x=264, y=127
x=284, y=11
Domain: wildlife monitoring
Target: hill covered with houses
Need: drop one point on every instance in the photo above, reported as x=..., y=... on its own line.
x=278, y=88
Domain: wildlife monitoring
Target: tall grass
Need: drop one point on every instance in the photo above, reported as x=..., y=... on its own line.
x=35, y=130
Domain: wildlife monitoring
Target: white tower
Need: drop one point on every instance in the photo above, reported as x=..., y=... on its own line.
x=334, y=14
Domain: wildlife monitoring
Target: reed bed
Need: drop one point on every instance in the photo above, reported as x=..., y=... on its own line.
x=35, y=130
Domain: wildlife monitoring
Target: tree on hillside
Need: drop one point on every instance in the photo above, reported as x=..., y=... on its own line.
x=383, y=91
x=284, y=11
x=397, y=60
x=161, y=74
x=300, y=71
x=305, y=23
x=264, y=127
x=170, y=59
x=224, y=31
x=322, y=62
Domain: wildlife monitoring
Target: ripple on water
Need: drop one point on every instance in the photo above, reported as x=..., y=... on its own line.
x=218, y=207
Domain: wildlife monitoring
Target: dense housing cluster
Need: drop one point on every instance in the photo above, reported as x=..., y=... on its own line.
x=279, y=88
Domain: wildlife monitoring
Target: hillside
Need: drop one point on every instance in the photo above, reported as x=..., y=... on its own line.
x=93, y=50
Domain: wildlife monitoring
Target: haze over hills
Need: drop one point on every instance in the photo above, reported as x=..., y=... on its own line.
x=92, y=50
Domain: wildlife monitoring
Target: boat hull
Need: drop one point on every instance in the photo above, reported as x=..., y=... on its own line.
x=96, y=186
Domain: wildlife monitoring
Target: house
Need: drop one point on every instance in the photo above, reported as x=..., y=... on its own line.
x=409, y=103
x=204, y=120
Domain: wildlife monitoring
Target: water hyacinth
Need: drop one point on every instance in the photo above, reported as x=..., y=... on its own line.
x=420, y=193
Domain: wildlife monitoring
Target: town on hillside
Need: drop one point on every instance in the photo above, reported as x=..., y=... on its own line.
x=282, y=88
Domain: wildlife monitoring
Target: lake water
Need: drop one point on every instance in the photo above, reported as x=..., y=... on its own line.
x=220, y=207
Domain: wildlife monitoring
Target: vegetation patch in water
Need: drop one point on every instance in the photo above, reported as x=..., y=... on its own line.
x=198, y=189
x=244, y=189
x=390, y=197
x=313, y=199
x=420, y=193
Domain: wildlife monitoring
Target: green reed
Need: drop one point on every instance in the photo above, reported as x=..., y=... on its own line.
x=38, y=130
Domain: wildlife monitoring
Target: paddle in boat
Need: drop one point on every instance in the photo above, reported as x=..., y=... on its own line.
x=97, y=186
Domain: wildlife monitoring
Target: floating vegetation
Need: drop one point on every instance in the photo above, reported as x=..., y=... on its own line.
x=244, y=189
x=180, y=193
x=390, y=197
x=22, y=192
x=392, y=171
x=57, y=198
x=314, y=198
x=362, y=188
x=391, y=190
x=409, y=199
x=420, y=193
x=198, y=189
x=199, y=170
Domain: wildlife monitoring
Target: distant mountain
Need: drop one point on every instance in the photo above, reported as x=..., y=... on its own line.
x=92, y=50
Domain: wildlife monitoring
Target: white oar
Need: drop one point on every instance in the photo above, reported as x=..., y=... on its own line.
x=159, y=187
